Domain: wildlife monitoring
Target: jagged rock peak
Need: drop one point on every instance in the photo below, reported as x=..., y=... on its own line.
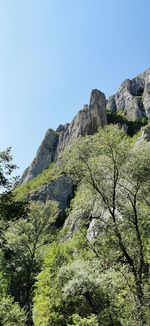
x=87, y=121
x=133, y=98
x=97, y=98
x=62, y=127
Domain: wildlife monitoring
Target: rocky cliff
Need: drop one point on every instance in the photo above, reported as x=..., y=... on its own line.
x=45, y=155
x=132, y=100
x=86, y=122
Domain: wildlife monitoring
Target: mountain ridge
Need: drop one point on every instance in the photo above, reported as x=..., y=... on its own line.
x=132, y=101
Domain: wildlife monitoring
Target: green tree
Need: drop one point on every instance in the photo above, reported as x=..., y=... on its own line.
x=117, y=172
x=89, y=321
x=10, y=313
x=6, y=168
x=23, y=251
x=49, y=307
x=10, y=209
x=72, y=287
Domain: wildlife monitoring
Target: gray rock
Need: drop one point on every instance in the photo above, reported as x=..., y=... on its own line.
x=111, y=104
x=146, y=94
x=45, y=155
x=145, y=134
x=59, y=190
x=93, y=230
x=62, y=127
x=86, y=122
x=133, y=98
x=98, y=225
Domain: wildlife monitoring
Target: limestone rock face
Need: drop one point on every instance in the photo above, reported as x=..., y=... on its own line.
x=59, y=190
x=145, y=135
x=93, y=229
x=45, y=155
x=146, y=95
x=133, y=98
x=86, y=122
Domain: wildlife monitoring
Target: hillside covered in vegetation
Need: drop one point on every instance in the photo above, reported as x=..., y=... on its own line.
x=75, y=245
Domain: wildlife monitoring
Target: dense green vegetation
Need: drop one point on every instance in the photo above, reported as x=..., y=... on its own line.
x=95, y=270
x=132, y=126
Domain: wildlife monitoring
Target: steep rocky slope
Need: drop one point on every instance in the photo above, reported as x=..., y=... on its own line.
x=45, y=155
x=132, y=101
x=87, y=264
x=86, y=122
x=133, y=97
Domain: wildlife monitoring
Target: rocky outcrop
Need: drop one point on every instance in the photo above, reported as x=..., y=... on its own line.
x=145, y=134
x=133, y=102
x=146, y=94
x=59, y=190
x=86, y=122
x=45, y=155
x=133, y=98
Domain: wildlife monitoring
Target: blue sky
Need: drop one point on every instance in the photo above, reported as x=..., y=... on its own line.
x=53, y=52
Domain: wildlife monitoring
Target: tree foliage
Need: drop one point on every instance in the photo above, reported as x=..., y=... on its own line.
x=118, y=175
x=95, y=270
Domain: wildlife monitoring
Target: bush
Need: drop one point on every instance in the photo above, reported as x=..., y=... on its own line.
x=10, y=313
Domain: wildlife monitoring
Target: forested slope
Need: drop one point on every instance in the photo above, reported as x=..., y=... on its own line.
x=75, y=245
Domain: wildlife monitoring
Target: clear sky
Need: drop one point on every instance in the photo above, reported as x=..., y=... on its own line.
x=53, y=52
